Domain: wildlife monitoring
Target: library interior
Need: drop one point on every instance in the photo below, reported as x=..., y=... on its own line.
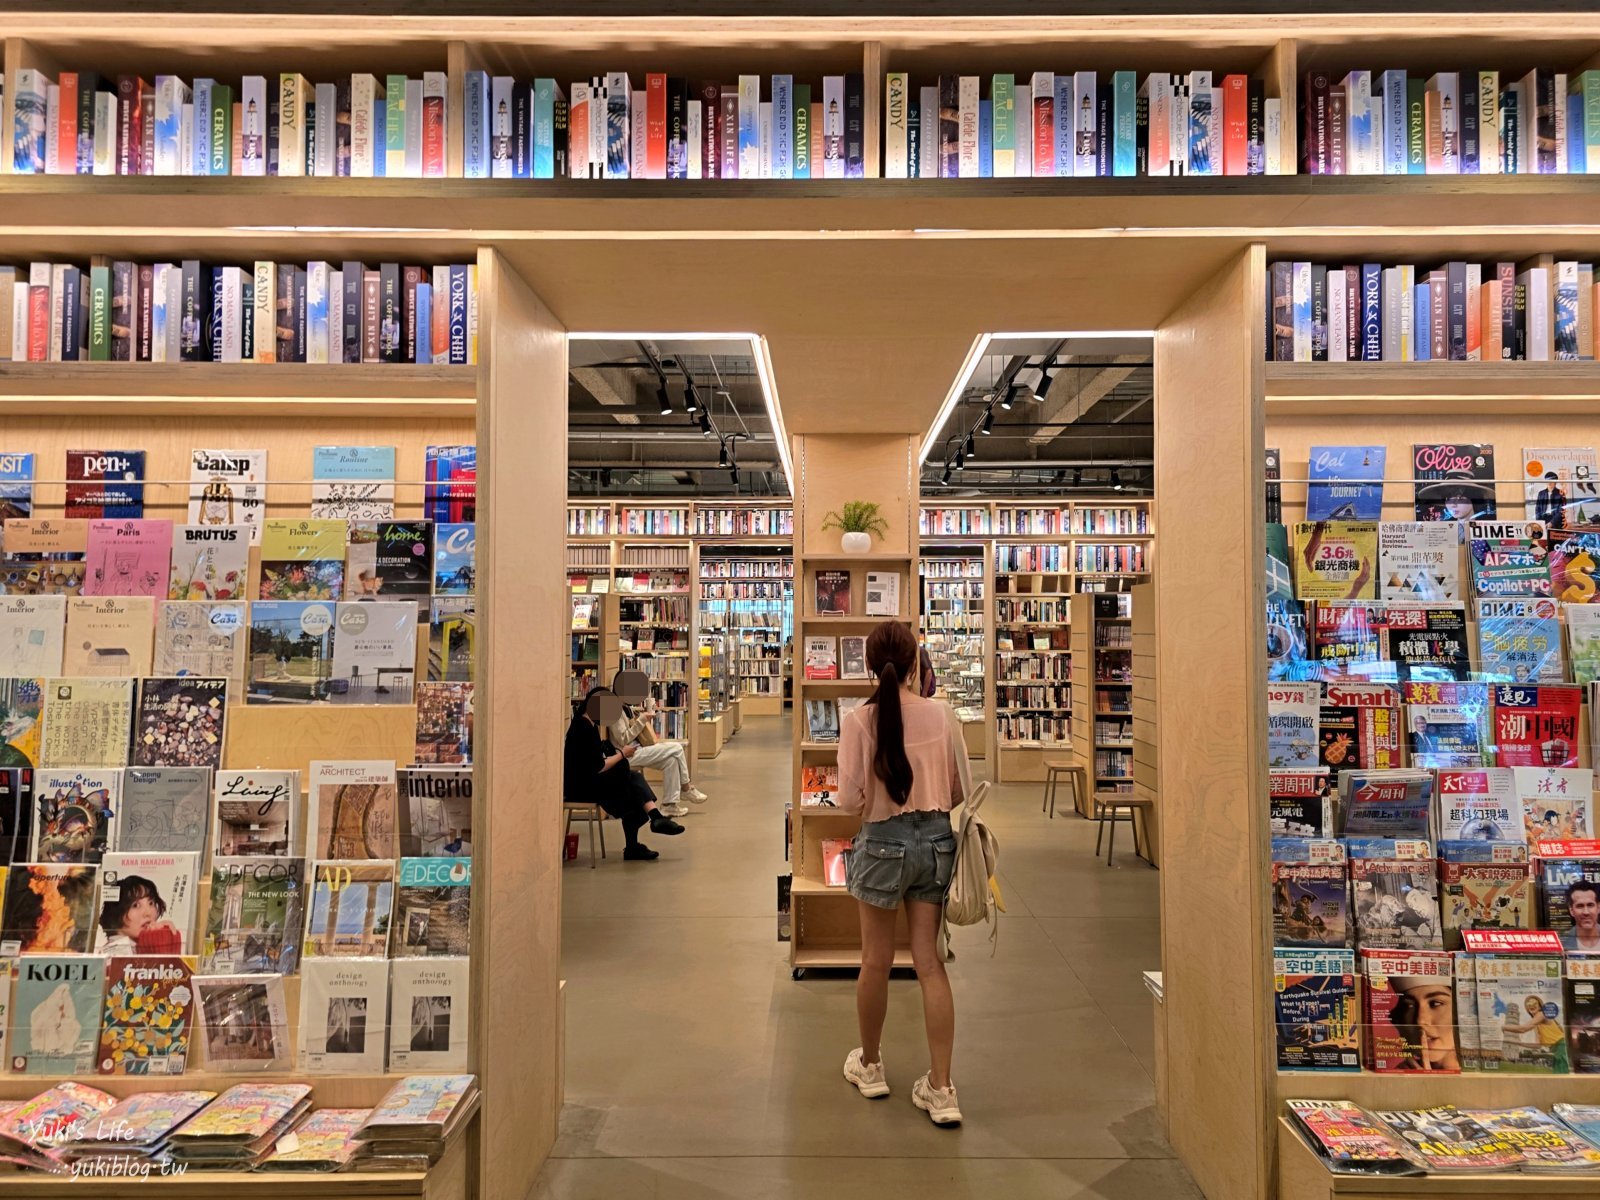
x=975, y=599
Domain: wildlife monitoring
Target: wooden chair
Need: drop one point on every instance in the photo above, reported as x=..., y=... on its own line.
x=595, y=816
x=1054, y=768
x=1107, y=809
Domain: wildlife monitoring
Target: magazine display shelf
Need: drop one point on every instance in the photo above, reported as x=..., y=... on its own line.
x=830, y=469
x=954, y=628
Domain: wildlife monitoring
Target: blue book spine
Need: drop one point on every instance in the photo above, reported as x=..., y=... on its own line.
x=1124, y=122
x=521, y=131
x=1422, y=324
x=72, y=315
x=1065, y=131
x=749, y=135
x=1393, y=86
x=544, y=128
x=1577, y=146
x=458, y=314
x=380, y=119
x=424, y=322
x=200, y=149
x=475, y=125
x=986, y=139
x=783, y=126
x=215, y=320
x=1371, y=312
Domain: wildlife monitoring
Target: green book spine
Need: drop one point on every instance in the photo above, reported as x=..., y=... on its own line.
x=1003, y=94
x=1589, y=81
x=802, y=131
x=221, y=117
x=1416, y=127
x=394, y=124
x=99, y=314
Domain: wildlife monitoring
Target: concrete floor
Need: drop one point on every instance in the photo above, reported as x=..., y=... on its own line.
x=697, y=1068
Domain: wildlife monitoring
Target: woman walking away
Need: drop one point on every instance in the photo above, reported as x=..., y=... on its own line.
x=902, y=765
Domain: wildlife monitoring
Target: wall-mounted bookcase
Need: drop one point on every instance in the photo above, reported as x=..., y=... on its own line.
x=1102, y=674
x=954, y=627
x=747, y=591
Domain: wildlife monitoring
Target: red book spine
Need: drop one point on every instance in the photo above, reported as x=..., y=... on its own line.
x=1044, y=137
x=433, y=137
x=67, y=125
x=710, y=125
x=38, y=323
x=127, y=114
x=1235, y=124
x=655, y=125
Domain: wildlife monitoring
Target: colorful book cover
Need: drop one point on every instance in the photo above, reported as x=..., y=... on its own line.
x=55, y=1014
x=1562, y=484
x=244, y=1025
x=1447, y=724
x=389, y=560
x=228, y=487
x=209, y=562
x=1569, y=883
x=455, y=550
x=1536, y=726
x=352, y=810
x=139, y=1123
x=1301, y=803
x=1427, y=642
x=1293, y=716
x=418, y=1106
x=350, y=909
x=429, y=1014
x=105, y=484
x=244, y=1113
x=21, y=709
x=16, y=483
x=1408, y=1007
x=32, y=633
x=325, y=1140
x=1544, y=1143
x=1349, y=1139
x=148, y=1015
x=1575, y=568
x=432, y=907
x=451, y=492
x=1394, y=893
x=1510, y=559
x=202, y=637
x=1583, y=641
x=444, y=723
x=1583, y=1013
x=819, y=785
x=452, y=639
x=165, y=809
x=1444, y=1138
x=1360, y=727
x=1336, y=560
x=1556, y=802
x=86, y=721
x=1419, y=560
x=108, y=636
x=1347, y=641
x=1521, y=1014
x=1484, y=885
x=1519, y=641
x=291, y=651
x=1347, y=483
x=1287, y=639
x=343, y=1010
x=1315, y=1010
x=374, y=652
x=302, y=560
x=256, y=814
x=180, y=722
x=253, y=923
x=147, y=903
x=1478, y=804
x=76, y=814
x=436, y=812
x=353, y=483
x=49, y=909
x=1454, y=481
x=1392, y=803
x=1580, y=1118
x=1310, y=893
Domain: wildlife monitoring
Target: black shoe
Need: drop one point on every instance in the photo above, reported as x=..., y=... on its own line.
x=664, y=825
x=639, y=853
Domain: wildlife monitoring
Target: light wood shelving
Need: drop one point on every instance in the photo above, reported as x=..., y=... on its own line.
x=1102, y=689
x=955, y=630
x=1146, y=744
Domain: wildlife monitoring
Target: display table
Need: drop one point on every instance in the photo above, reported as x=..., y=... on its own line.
x=712, y=735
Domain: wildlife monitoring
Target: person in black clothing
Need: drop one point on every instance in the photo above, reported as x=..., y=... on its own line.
x=596, y=772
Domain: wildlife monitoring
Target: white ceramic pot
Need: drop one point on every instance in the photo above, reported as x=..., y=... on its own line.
x=856, y=543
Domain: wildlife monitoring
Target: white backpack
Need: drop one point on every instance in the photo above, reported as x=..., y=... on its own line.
x=974, y=894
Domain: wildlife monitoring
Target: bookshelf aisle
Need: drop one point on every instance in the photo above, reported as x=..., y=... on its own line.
x=955, y=632
x=1102, y=723
x=1146, y=753
x=748, y=589
x=655, y=627
x=592, y=661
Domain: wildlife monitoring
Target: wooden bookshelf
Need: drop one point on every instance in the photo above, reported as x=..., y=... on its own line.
x=747, y=591
x=1146, y=744
x=1436, y=389
x=954, y=627
x=1102, y=677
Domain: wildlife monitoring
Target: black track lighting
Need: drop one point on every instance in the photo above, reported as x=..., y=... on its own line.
x=722, y=454
x=666, y=400
x=1042, y=388
x=961, y=461
x=987, y=427
x=691, y=401
x=1012, y=394
x=605, y=476
x=705, y=423
x=945, y=478
x=971, y=447
x=734, y=475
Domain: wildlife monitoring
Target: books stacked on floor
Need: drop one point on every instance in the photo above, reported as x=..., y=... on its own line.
x=360, y=125
x=1446, y=1140
x=1078, y=124
x=1541, y=309
x=260, y=312
x=412, y=1124
x=1476, y=122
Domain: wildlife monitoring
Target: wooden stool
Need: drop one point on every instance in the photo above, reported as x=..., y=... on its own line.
x=1054, y=768
x=595, y=816
x=1107, y=808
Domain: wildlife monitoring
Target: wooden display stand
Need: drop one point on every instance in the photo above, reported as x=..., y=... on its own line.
x=1102, y=711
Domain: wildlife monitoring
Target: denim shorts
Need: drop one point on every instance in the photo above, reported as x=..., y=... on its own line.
x=907, y=857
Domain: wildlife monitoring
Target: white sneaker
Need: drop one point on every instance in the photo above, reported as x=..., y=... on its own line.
x=939, y=1105
x=693, y=794
x=869, y=1080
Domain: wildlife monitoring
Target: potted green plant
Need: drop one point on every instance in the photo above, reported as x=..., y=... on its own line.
x=859, y=521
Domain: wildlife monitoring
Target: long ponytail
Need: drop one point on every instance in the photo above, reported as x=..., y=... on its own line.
x=892, y=656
